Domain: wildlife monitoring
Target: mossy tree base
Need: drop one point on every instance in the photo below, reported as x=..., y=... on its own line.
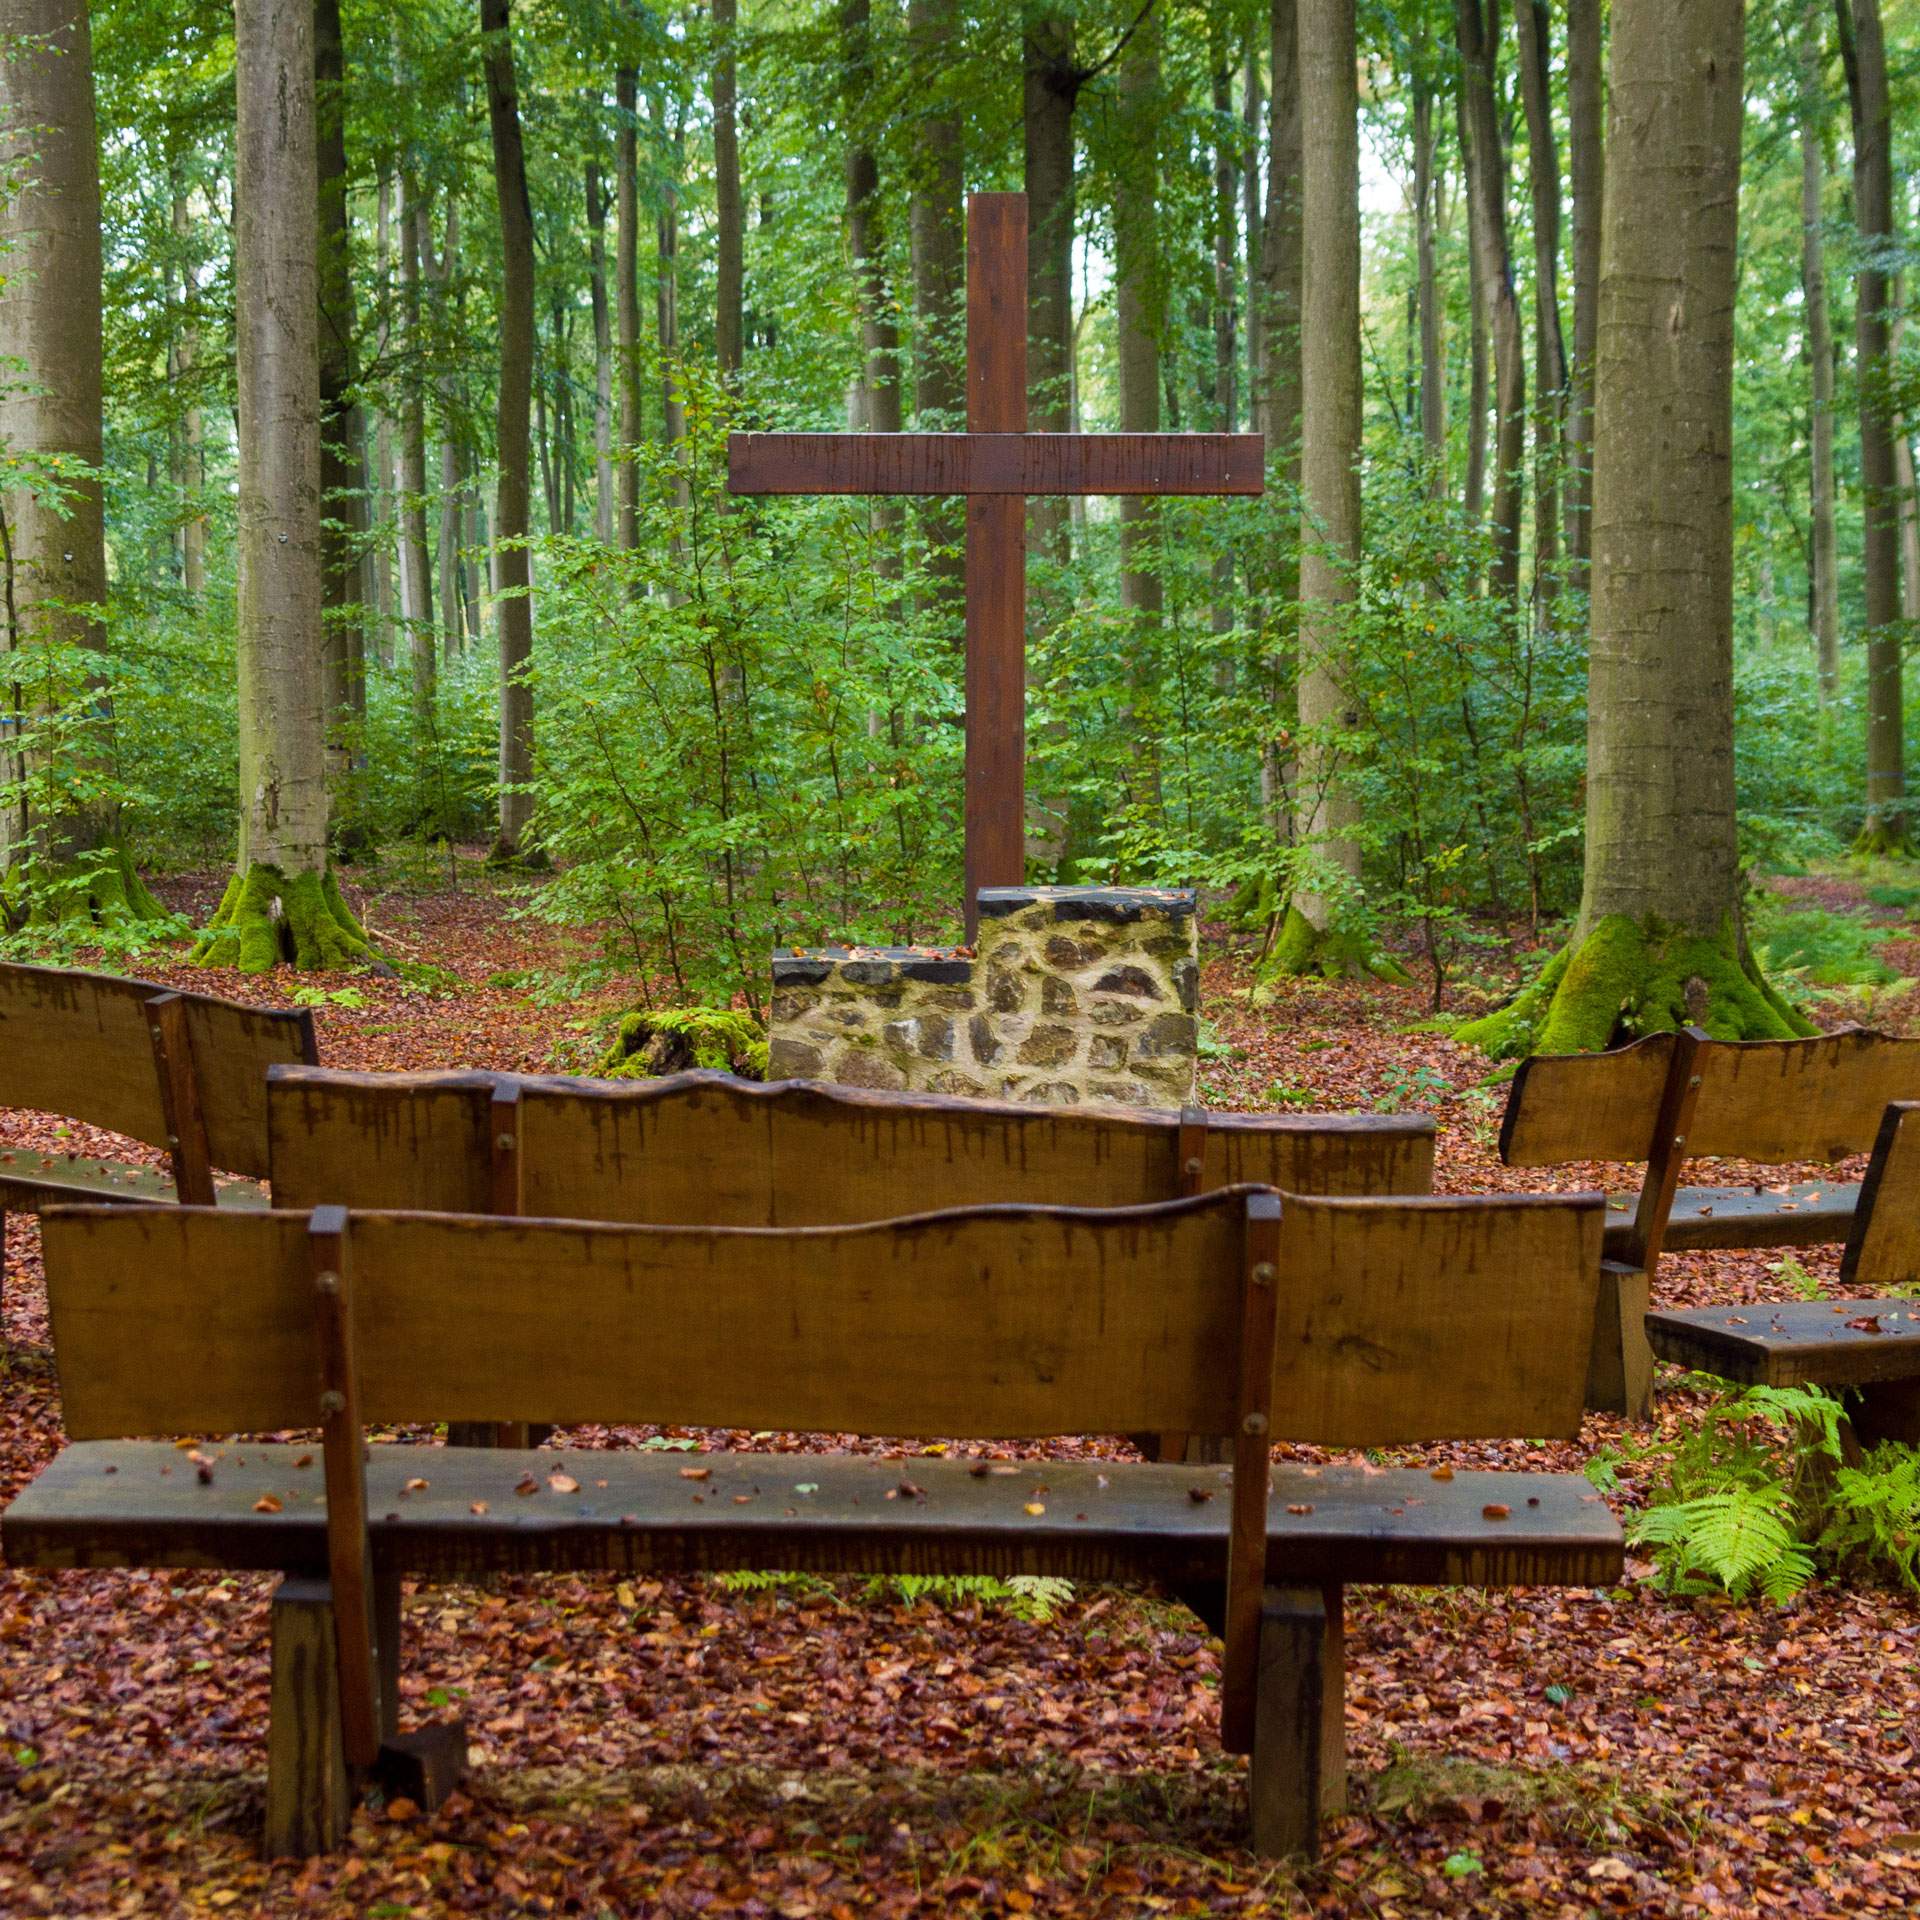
x=1628, y=978
x=1303, y=951
x=101, y=890
x=720, y=1039
x=1883, y=840
x=269, y=919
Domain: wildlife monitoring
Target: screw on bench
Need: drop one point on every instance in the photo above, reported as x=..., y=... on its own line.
x=333, y=1401
x=1263, y=1274
x=327, y=1282
x=1254, y=1423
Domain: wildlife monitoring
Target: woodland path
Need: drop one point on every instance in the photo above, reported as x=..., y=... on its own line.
x=676, y=1748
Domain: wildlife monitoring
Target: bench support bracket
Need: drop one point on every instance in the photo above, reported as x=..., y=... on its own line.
x=1299, y=1771
x=1620, y=1370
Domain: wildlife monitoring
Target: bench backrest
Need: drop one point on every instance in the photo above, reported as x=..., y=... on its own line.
x=707, y=1149
x=1347, y=1321
x=141, y=1060
x=1883, y=1249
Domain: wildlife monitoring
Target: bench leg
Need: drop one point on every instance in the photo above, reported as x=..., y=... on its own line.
x=1620, y=1368
x=1888, y=1410
x=309, y=1796
x=1299, y=1770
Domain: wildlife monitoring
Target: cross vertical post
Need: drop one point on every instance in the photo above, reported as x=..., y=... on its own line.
x=996, y=750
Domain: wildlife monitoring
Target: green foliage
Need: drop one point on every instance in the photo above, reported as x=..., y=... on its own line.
x=1027, y=1596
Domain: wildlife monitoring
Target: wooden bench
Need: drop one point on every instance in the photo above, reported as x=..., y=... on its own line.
x=1675, y=1097
x=183, y=1072
x=1869, y=1345
x=1348, y=1322
x=706, y=1149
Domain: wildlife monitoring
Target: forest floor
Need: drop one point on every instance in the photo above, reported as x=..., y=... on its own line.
x=680, y=1748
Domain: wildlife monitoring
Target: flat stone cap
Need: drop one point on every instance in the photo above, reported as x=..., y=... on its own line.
x=872, y=966
x=1117, y=904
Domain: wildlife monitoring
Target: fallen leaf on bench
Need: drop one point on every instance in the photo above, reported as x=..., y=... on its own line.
x=1493, y=1510
x=1306, y=1508
x=1195, y=1494
x=267, y=1503
x=305, y=1460
x=741, y=1499
x=415, y=1485
x=204, y=1473
x=908, y=1491
x=1866, y=1323
x=696, y=1473
x=1705, y=1211
x=563, y=1483
x=1034, y=1506
x=1441, y=1473
x=479, y=1506
x=527, y=1484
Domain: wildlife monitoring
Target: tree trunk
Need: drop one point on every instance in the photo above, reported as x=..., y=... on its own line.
x=1138, y=309
x=1433, y=373
x=1863, y=46
x=416, y=567
x=382, y=502
x=626, y=300
x=602, y=359
x=1474, y=490
x=1226, y=304
x=342, y=490
x=1487, y=191
x=666, y=281
x=513, y=571
x=446, y=277
x=938, y=223
x=1051, y=90
x=282, y=902
x=1658, y=942
x=1314, y=940
x=1534, y=30
x=1903, y=470
x=1252, y=104
x=1825, y=585
x=1586, y=120
x=193, y=465
x=728, y=234
x=53, y=562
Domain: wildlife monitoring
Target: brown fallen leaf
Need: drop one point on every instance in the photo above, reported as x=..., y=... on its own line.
x=696, y=1473
x=479, y=1506
x=267, y=1503
x=1866, y=1323
x=1199, y=1494
x=415, y=1485
x=1493, y=1510
x=563, y=1483
x=527, y=1484
x=1035, y=1507
x=1441, y=1473
x=1303, y=1507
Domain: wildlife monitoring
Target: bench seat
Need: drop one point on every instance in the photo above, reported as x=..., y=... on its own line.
x=1800, y=1343
x=30, y=1181
x=1813, y=1213
x=141, y=1503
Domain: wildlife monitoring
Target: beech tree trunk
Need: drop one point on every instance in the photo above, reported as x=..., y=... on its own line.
x=626, y=299
x=1433, y=372
x=1252, y=185
x=512, y=572
x=878, y=395
x=666, y=280
x=1586, y=121
x=453, y=475
x=602, y=358
x=938, y=223
x=193, y=464
x=384, y=504
x=1330, y=430
x=1863, y=46
x=53, y=562
x=1051, y=90
x=1487, y=192
x=1824, y=596
x=416, y=566
x=1903, y=469
x=728, y=234
x=1534, y=31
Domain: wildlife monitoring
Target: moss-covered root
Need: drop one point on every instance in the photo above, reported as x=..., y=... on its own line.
x=1303, y=950
x=268, y=919
x=1883, y=838
x=106, y=891
x=720, y=1039
x=1629, y=978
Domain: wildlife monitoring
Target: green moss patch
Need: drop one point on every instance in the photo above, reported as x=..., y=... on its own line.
x=718, y=1039
x=268, y=919
x=1304, y=951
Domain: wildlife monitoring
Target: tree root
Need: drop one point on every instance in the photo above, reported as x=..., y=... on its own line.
x=1303, y=950
x=103, y=890
x=1629, y=978
x=268, y=919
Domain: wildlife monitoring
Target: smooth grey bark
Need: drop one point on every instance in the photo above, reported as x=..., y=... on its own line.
x=283, y=790
x=1433, y=372
x=53, y=561
x=937, y=223
x=1903, y=469
x=1051, y=83
x=1138, y=304
x=1330, y=433
x=1534, y=31
x=382, y=501
x=728, y=231
x=1863, y=48
x=342, y=484
x=1226, y=303
x=1252, y=106
x=878, y=397
x=1824, y=596
x=416, y=566
x=1586, y=159
x=454, y=599
x=512, y=569
x=666, y=277
x=626, y=300
x=602, y=358
x=1486, y=167
x=193, y=457
x=1660, y=842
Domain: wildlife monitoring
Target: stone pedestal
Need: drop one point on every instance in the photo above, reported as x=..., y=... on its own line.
x=1074, y=994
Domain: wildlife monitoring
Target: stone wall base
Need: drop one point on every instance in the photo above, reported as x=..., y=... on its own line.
x=1074, y=994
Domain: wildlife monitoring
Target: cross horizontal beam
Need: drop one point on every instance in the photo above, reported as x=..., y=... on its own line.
x=996, y=463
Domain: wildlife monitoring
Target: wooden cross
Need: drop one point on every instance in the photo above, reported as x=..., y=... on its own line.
x=996, y=463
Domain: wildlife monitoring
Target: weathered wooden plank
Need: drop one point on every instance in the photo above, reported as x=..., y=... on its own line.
x=1784, y=1100
x=705, y=1148
x=1833, y=1343
x=186, y=1320
x=1300, y=1694
x=1883, y=1247
x=1325, y=1525
x=1252, y=1464
x=984, y=462
x=1809, y=1213
x=1434, y=1319
x=309, y=1797
x=174, y=1068
x=1585, y=1106
x=30, y=1181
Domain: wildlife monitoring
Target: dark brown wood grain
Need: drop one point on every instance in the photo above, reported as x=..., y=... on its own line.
x=1324, y=1524
x=984, y=462
x=173, y=1066
x=1883, y=1245
x=1252, y=1462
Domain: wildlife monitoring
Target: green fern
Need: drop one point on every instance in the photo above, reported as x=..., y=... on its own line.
x=1875, y=1513
x=1741, y=1538
x=1026, y=1596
